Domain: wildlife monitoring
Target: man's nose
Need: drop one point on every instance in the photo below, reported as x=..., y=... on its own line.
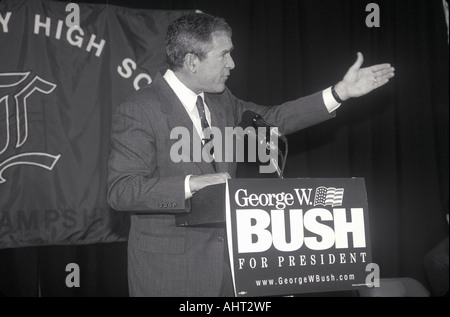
x=230, y=63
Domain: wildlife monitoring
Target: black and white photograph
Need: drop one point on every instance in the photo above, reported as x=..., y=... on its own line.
x=227, y=155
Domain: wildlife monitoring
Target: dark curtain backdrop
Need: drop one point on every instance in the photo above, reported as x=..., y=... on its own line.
x=396, y=138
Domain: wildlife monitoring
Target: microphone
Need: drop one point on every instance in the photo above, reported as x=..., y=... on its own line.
x=250, y=118
x=247, y=121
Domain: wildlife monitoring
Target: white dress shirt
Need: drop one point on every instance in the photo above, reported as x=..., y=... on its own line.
x=189, y=99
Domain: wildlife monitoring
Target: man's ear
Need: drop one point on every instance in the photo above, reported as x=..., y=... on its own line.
x=190, y=62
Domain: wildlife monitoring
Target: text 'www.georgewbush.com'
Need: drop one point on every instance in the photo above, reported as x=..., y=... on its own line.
x=312, y=278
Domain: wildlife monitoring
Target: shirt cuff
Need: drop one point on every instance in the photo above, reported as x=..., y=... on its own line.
x=329, y=100
x=187, y=189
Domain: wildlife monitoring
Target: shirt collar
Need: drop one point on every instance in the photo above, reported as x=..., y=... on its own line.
x=187, y=97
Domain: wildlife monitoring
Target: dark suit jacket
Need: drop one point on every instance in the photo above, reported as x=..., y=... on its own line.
x=165, y=260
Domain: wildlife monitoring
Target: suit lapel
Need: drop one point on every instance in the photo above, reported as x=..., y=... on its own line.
x=177, y=116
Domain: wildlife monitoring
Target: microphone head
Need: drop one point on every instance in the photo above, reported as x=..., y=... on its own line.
x=248, y=119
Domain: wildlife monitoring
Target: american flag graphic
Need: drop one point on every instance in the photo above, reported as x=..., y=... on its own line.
x=329, y=196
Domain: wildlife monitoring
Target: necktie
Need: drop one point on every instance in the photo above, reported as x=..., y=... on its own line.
x=205, y=125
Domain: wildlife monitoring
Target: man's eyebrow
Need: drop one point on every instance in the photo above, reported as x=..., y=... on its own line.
x=228, y=50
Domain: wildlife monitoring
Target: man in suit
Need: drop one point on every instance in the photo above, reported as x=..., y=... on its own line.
x=163, y=259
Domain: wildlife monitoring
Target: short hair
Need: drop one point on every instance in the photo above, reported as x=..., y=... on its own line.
x=192, y=34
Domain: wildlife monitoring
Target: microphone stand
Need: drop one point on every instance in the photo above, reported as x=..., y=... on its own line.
x=284, y=157
x=280, y=171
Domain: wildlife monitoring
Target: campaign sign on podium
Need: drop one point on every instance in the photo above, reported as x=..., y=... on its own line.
x=294, y=236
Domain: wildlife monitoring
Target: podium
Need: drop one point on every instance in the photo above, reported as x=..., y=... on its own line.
x=207, y=208
x=290, y=236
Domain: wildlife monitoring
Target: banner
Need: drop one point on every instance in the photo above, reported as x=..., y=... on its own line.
x=59, y=83
x=293, y=236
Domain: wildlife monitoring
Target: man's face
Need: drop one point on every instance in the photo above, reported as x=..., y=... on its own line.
x=213, y=71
